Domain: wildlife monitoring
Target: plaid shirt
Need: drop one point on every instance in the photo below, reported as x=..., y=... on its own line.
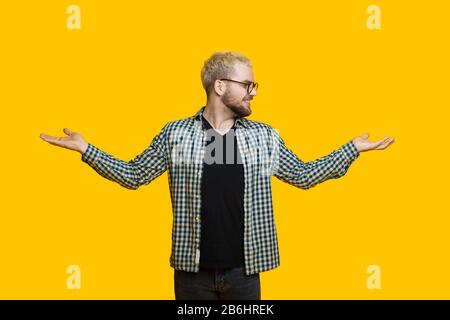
x=179, y=148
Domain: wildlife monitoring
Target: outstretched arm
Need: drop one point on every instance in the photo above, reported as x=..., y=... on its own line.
x=143, y=169
x=291, y=169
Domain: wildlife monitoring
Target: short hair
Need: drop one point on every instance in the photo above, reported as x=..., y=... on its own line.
x=220, y=65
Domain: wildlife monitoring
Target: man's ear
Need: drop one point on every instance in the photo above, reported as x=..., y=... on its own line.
x=219, y=87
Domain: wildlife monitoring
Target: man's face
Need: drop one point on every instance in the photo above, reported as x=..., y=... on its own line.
x=236, y=97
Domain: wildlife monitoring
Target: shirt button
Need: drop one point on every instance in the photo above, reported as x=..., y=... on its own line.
x=197, y=196
x=199, y=173
x=197, y=218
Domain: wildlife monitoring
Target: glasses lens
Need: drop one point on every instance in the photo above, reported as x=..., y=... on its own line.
x=252, y=86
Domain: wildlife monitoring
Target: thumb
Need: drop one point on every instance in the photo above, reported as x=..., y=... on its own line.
x=365, y=135
x=67, y=131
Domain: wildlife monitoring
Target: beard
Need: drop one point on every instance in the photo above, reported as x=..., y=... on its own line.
x=237, y=107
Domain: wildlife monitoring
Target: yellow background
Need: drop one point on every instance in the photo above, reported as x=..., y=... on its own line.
x=324, y=79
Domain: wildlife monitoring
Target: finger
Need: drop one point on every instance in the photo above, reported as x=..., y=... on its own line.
x=46, y=137
x=53, y=140
x=68, y=131
x=386, y=143
x=382, y=141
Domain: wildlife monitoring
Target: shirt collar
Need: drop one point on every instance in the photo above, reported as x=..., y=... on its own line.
x=239, y=121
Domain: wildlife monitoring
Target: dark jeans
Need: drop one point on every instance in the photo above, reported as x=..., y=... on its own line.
x=217, y=284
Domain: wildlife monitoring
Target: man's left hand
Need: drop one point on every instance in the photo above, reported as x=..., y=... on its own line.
x=362, y=144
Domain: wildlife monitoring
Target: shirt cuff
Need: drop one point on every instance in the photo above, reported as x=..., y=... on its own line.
x=350, y=151
x=91, y=155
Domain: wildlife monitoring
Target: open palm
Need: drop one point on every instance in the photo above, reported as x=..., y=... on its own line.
x=362, y=144
x=73, y=141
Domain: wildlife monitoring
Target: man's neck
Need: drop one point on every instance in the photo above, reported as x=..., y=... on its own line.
x=219, y=116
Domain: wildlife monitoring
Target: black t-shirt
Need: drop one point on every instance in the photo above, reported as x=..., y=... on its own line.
x=222, y=226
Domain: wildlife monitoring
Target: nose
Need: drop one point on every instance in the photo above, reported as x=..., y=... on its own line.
x=253, y=92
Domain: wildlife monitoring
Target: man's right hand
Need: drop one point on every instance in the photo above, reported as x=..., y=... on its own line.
x=74, y=141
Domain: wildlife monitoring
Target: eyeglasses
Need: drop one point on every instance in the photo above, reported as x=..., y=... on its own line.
x=250, y=85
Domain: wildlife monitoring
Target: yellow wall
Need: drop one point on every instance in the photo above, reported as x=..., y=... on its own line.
x=324, y=79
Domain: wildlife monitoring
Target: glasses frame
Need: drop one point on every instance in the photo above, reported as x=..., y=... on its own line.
x=250, y=85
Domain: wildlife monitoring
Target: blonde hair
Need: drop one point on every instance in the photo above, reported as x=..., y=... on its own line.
x=220, y=65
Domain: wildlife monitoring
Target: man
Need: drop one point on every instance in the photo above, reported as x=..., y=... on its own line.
x=219, y=167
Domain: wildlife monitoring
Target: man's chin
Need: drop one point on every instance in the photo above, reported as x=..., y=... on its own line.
x=245, y=112
x=248, y=110
x=241, y=111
